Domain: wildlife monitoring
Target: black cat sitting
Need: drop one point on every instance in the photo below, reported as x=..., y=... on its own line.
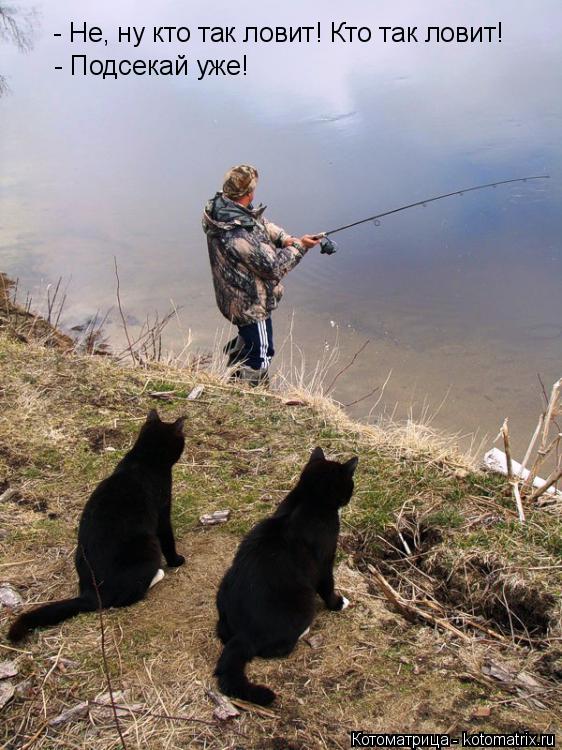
x=266, y=600
x=124, y=530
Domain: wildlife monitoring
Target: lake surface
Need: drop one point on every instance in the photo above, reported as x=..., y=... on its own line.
x=460, y=300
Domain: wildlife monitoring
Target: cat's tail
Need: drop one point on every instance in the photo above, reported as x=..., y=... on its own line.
x=48, y=614
x=231, y=677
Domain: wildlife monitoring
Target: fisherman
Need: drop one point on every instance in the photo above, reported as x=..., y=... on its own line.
x=249, y=256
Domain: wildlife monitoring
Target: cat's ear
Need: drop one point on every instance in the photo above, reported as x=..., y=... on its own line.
x=153, y=416
x=178, y=426
x=317, y=455
x=351, y=465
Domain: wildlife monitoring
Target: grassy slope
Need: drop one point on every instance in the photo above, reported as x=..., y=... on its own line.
x=64, y=423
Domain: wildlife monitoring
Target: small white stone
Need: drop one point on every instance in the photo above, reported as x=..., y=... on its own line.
x=9, y=597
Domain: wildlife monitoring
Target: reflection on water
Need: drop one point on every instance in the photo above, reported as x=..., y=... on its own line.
x=460, y=298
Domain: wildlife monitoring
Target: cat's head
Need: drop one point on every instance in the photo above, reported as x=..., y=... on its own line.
x=328, y=482
x=160, y=442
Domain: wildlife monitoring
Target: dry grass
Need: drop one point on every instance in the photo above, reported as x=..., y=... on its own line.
x=18, y=321
x=65, y=421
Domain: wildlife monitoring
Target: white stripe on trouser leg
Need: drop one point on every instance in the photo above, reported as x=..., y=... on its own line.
x=260, y=334
x=263, y=343
x=266, y=346
x=260, y=337
x=267, y=357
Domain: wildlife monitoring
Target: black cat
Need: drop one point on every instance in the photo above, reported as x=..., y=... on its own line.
x=124, y=530
x=266, y=600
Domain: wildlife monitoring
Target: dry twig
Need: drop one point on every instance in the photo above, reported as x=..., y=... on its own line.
x=103, y=651
x=407, y=608
x=543, y=451
x=154, y=715
x=552, y=479
x=126, y=330
x=349, y=364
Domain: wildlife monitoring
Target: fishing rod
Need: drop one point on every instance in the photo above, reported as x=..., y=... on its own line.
x=329, y=247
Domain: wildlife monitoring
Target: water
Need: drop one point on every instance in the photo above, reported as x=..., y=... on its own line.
x=460, y=300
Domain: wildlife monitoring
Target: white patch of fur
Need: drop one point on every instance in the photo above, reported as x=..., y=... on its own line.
x=345, y=603
x=158, y=577
x=305, y=632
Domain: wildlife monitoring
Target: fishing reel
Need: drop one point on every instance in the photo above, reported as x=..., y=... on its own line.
x=327, y=246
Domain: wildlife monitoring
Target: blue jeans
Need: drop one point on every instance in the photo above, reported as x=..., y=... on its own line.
x=258, y=344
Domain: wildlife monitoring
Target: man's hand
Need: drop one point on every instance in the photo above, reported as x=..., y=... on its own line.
x=307, y=241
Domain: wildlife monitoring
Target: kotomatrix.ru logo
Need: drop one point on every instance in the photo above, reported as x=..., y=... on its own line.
x=479, y=739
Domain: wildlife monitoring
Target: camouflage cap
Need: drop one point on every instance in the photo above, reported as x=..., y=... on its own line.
x=239, y=181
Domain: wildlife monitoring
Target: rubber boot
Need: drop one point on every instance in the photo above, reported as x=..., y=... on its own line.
x=252, y=377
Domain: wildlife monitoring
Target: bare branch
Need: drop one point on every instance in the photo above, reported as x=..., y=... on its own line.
x=512, y=478
x=363, y=398
x=103, y=652
x=349, y=364
x=130, y=347
x=16, y=26
x=407, y=608
x=167, y=717
x=531, y=446
x=552, y=479
x=543, y=451
x=545, y=396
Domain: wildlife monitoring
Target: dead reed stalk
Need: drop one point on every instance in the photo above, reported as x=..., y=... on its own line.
x=511, y=477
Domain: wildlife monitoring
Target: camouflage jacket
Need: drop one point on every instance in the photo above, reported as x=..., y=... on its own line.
x=247, y=258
